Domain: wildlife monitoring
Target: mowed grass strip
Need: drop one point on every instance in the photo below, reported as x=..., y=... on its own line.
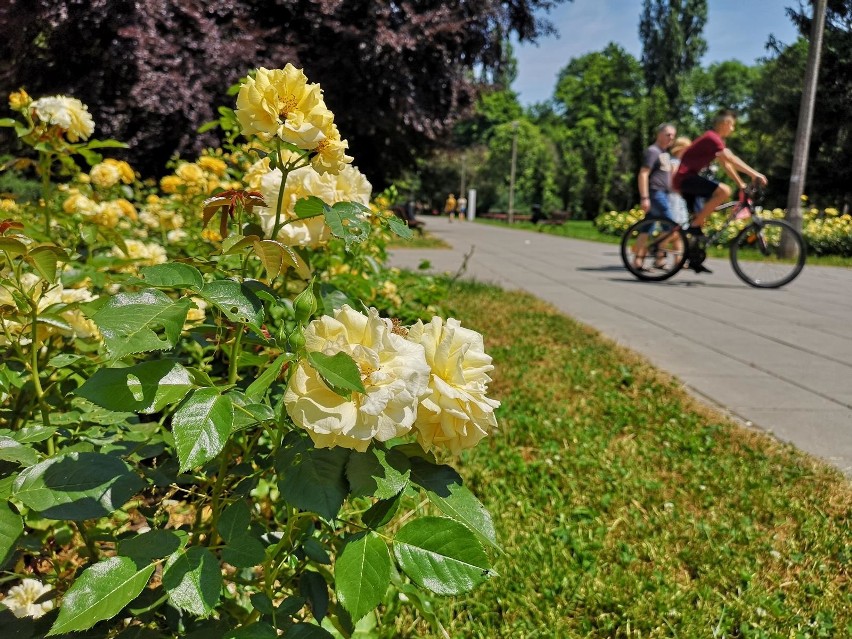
x=627, y=509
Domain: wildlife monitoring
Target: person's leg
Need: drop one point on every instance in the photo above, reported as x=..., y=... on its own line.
x=660, y=207
x=720, y=195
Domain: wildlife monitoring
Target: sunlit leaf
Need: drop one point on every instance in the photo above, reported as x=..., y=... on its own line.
x=201, y=427
x=362, y=574
x=193, y=580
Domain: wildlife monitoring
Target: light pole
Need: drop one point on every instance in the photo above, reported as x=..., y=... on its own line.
x=461, y=189
x=511, y=217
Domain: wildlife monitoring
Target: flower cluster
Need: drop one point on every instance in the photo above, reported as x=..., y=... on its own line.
x=281, y=103
x=432, y=379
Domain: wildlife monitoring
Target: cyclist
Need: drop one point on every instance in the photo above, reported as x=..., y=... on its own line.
x=701, y=153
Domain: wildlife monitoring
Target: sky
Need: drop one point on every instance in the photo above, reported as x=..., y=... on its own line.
x=735, y=29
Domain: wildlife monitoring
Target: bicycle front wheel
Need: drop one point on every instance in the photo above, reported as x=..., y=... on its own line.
x=768, y=254
x=653, y=249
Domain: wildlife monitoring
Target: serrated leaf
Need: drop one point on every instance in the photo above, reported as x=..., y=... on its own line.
x=234, y=521
x=129, y=322
x=144, y=388
x=312, y=586
x=11, y=527
x=259, y=386
x=381, y=512
x=44, y=260
x=400, y=227
x=346, y=220
x=244, y=552
x=150, y=546
x=310, y=206
x=193, y=580
x=307, y=631
x=174, y=275
x=235, y=300
x=13, y=451
x=362, y=574
x=277, y=258
x=339, y=371
x=441, y=555
x=100, y=592
x=444, y=487
x=201, y=427
x=377, y=472
x=77, y=486
x=300, y=465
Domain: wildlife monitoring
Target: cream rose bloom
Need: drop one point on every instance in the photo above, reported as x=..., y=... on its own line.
x=105, y=175
x=21, y=599
x=349, y=185
x=456, y=414
x=330, y=154
x=69, y=114
x=281, y=102
x=143, y=254
x=393, y=370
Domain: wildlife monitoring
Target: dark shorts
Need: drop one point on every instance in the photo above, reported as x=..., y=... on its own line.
x=695, y=187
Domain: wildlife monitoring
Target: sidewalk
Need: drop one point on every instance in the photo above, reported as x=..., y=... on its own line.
x=780, y=360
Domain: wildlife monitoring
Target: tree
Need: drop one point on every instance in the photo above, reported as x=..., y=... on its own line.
x=397, y=74
x=672, y=45
x=599, y=99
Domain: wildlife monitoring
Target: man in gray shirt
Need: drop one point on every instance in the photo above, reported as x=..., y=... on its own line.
x=655, y=175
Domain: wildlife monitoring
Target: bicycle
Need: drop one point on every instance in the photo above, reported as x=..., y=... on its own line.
x=766, y=253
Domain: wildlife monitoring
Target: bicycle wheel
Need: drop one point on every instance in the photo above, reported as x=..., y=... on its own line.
x=653, y=249
x=760, y=260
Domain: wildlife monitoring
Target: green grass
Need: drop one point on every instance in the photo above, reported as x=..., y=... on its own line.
x=626, y=509
x=585, y=230
x=419, y=241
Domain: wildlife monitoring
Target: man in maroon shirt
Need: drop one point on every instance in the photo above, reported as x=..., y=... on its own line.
x=701, y=153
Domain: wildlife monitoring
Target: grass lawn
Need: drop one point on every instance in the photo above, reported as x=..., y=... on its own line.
x=585, y=230
x=419, y=241
x=627, y=509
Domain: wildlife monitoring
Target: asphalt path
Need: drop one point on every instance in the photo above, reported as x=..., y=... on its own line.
x=778, y=360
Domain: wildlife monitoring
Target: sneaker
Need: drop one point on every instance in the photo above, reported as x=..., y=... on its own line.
x=700, y=268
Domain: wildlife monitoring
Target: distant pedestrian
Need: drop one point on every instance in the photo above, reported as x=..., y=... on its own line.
x=462, y=208
x=450, y=206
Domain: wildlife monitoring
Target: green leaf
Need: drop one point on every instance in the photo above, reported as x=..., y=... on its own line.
x=381, y=512
x=77, y=486
x=173, y=275
x=235, y=300
x=33, y=434
x=339, y=371
x=100, y=592
x=234, y=521
x=244, y=552
x=8, y=122
x=400, y=228
x=193, y=580
x=310, y=206
x=307, y=631
x=128, y=322
x=44, y=260
x=144, y=388
x=259, y=386
x=445, y=490
x=106, y=144
x=277, y=258
x=11, y=527
x=362, y=574
x=347, y=221
x=63, y=360
x=377, y=472
x=312, y=586
x=258, y=630
x=150, y=546
x=13, y=451
x=301, y=465
x=91, y=157
x=12, y=246
x=201, y=427
x=315, y=551
x=441, y=555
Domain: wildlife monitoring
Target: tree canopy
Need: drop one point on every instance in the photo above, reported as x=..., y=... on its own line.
x=397, y=74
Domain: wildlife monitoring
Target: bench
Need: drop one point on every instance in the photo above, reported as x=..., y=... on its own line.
x=504, y=217
x=555, y=218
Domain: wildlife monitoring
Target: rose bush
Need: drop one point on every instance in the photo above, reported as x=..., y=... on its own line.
x=213, y=419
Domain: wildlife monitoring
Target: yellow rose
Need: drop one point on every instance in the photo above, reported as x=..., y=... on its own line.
x=189, y=172
x=393, y=371
x=21, y=599
x=69, y=114
x=214, y=165
x=8, y=206
x=19, y=100
x=456, y=414
x=171, y=184
x=128, y=175
x=255, y=172
x=281, y=102
x=104, y=175
x=143, y=254
x=79, y=203
x=330, y=154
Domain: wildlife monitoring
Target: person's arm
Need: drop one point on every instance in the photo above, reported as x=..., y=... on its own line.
x=738, y=165
x=644, y=193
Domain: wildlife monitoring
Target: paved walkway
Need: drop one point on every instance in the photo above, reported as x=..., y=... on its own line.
x=780, y=360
